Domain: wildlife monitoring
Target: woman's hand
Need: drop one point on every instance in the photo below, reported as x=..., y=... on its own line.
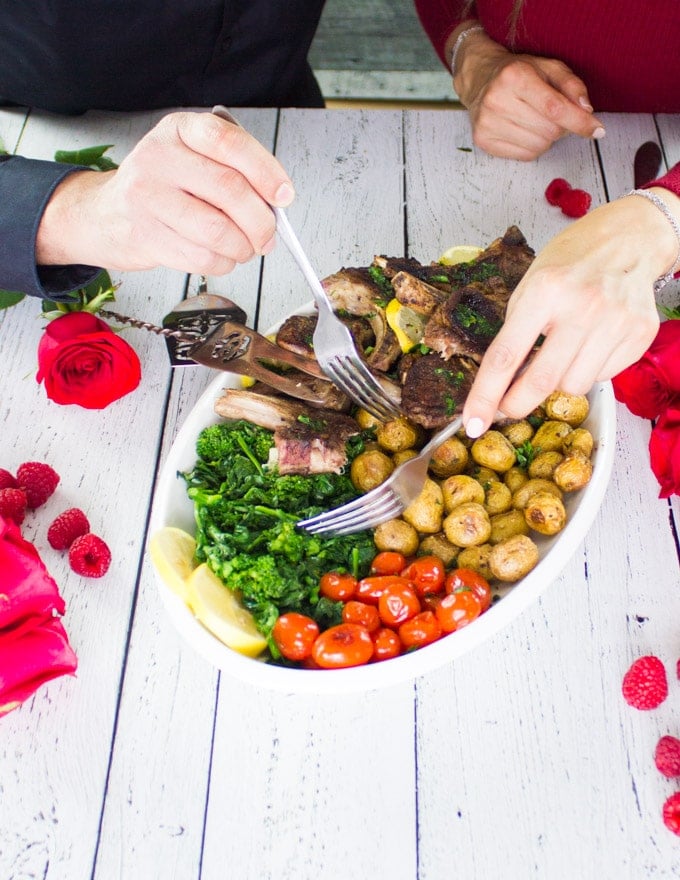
x=589, y=292
x=193, y=195
x=519, y=105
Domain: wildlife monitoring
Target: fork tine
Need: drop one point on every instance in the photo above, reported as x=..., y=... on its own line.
x=360, y=522
x=360, y=384
x=377, y=509
x=358, y=504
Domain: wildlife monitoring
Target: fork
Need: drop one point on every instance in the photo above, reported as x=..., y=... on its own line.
x=334, y=345
x=388, y=500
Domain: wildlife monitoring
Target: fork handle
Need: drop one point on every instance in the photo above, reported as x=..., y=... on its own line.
x=441, y=437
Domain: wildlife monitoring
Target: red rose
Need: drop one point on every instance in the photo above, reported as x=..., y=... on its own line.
x=664, y=451
x=648, y=386
x=34, y=647
x=82, y=361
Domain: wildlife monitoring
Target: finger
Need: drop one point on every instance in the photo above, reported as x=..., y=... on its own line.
x=234, y=147
x=566, y=82
x=509, y=140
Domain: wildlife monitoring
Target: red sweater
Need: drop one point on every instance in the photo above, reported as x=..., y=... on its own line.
x=625, y=51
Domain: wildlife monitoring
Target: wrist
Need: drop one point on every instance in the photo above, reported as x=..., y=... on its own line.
x=664, y=209
x=468, y=51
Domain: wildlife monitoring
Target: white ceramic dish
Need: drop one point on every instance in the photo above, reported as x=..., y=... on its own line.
x=172, y=508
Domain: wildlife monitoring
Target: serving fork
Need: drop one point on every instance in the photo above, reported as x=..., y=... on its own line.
x=334, y=345
x=389, y=499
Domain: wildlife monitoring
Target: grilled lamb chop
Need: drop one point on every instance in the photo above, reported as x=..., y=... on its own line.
x=466, y=323
x=434, y=390
x=510, y=254
x=355, y=292
x=418, y=294
x=297, y=332
x=307, y=441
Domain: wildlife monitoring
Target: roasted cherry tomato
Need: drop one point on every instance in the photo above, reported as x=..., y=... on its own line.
x=370, y=589
x=398, y=603
x=360, y=612
x=420, y=630
x=295, y=634
x=467, y=579
x=427, y=573
x=456, y=610
x=388, y=562
x=337, y=585
x=386, y=644
x=348, y=644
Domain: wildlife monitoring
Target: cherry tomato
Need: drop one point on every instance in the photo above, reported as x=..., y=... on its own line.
x=398, y=603
x=370, y=589
x=348, y=644
x=420, y=630
x=337, y=585
x=388, y=562
x=467, y=579
x=427, y=573
x=456, y=610
x=295, y=634
x=360, y=612
x=386, y=644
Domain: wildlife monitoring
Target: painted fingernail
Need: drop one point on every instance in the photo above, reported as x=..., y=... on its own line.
x=474, y=428
x=284, y=195
x=599, y=133
x=585, y=104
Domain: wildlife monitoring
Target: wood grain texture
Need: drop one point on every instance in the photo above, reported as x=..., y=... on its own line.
x=519, y=760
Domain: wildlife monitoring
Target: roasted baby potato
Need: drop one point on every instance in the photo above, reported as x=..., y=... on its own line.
x=493, y=450
x=450, y=458
x=545, y=513
x=550, y=436
x=523, y=495
x=476, y=558
x=570, y=408
x=514, y=558
x=484, y=475
x=399, y=434
x=505, y=525
x=580, y=440
x=515, y=477
x=397, y=535
x=460, y=489
x=467, y=525
x=369, y=469
x=498, y=498
x=438, y=545
x=573, y=472
x=426, y=512
x=365, y=420
x=517, y=432
x=544, y=464
x=400, y=457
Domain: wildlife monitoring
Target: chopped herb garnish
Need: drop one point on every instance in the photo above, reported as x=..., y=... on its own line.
x=525, y=454
x=378, y=277
x=473, y=320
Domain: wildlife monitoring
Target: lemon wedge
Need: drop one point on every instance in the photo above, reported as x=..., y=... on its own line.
x=460, y=253
x=407, y=325
x=219, y=610
x=172, y=553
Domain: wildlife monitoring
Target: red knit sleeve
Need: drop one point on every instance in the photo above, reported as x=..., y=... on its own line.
x=439, y=18
x=670, y=180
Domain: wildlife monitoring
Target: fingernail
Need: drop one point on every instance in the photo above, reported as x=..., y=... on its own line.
x=268, y=247
x=584, y=103
x=284, y=195
x=598, y=133
x=474, y=428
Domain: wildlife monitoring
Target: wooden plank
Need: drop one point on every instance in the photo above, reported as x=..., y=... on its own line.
x=11, y=124
x=294, y=778
x=56, y=747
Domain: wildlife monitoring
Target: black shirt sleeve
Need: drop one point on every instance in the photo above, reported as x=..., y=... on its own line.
x=25, y=188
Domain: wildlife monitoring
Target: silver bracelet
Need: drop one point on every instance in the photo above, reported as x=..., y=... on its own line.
x=462, y=36
x=665, y=210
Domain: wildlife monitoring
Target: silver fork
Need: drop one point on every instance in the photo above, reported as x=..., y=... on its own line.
x=388, y=500
x=334, y=345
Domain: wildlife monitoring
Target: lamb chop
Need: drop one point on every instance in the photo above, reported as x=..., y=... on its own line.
x=297, y=333
x=307, y=441
x=434, y=390
x=469, y=319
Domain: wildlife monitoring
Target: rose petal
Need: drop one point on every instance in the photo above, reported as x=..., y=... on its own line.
x=664, y=452
x=651, y=384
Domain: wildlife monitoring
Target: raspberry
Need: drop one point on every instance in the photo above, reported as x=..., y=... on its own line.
x=13, y=504
x=671, y=813
x=38, y=480
x=68, y=526
x=7, y=481
x=677, y=670
x=575, y=202
x=89, y=556
x=667, y=756
x=645, y=685
x=556, y=189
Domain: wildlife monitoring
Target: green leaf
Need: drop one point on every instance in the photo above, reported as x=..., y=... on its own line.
x=673, y=314
x=10, y=298
x=91, y=156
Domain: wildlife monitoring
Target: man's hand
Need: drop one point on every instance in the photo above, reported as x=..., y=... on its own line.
x=194, y=195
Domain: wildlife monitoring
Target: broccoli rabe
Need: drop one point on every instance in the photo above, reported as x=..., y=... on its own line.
x=246, y=514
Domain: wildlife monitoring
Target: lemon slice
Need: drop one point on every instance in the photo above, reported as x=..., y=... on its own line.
x=460, y=253
x=407, y=325
x=172, y=553
x=219, y=610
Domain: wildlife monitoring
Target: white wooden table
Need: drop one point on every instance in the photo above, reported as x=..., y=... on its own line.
x=519, y=760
